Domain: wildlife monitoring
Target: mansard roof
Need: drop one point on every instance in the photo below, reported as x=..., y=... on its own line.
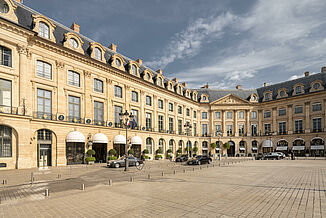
x=215, y=94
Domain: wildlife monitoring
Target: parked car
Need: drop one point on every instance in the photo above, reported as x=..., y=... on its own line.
x=132, y=161
x=272, y=156
x=200, y=159
x=260, y=156
x=182, y=158
x=282, y=155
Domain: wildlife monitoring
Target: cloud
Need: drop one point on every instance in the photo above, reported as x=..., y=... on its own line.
x=273, y=35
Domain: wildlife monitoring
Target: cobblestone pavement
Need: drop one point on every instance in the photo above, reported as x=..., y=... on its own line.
x=247, y=189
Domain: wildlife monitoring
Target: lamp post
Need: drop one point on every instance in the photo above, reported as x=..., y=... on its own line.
x=188, y=128
x=126, y=117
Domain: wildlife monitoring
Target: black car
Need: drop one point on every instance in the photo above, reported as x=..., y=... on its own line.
x=200, y=159
x=182, y=158
x=260, y=156
x=273, y=156
x=132, y=161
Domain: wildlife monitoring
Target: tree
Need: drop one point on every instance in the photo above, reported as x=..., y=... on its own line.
x=159, y=151
x=169, y=151
x=213, y=146
x=112, y=152
x=195, y=150
x=226, y=145
x=146, y=151
x=131, y=151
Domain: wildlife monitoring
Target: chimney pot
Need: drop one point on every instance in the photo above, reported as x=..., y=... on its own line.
x=323, y=70
x=265, y=84
x=113, y=47
x=238, y=87
x=306, y=73
x=75, y=27
x=140, y=61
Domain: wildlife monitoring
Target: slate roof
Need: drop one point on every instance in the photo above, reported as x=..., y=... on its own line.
x=215, y=94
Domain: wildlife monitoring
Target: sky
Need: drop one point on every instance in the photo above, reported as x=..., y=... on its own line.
x=220, y=42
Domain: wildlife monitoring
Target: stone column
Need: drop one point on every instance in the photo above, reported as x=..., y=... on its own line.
x=274, y=122
x=155, y=115
x=24, y=94
x=224, y=123
x=260, y=130
x=235, y=123
x=290, y=121
x=324, y=108
x=308, y=124
x=248, y=112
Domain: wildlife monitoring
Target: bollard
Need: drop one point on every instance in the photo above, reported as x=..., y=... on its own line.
x=193, y=169
x=131, y=179
x=110, y=182
x=174, y=172
x=213, y=165
x=4, y=182
x=46, y=193
x=162, y=173
x=207, y=166
x=184, y=170
x=83, y=187
x=200, y=168
x=32, y=178
x=59, y=176
x=70, y=170
x=149, y=176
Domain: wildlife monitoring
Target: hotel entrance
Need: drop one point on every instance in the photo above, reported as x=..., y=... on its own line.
x=44, y=148
x=75, y=148
x=99, y=145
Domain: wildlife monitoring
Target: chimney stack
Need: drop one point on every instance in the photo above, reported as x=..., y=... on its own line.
x=265, y=84
x=113, y=47
x=20, y=1
x=75, y=27
x=306, y=73
x=323, y=70
x=139, y=61
x=238, y=87
x=159, y=71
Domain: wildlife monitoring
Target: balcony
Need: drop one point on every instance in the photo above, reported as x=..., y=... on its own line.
x=298, y=131
x=282, y=133
x=10, y=110
x=317, y=130
x=45, y=116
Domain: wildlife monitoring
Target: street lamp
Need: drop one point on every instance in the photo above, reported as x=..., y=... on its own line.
x=188, y=128
x=127, y=117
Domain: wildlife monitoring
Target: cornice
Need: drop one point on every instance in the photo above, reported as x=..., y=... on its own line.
x=15, y=28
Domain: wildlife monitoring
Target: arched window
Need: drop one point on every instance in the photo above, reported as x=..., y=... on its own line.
x=267, y=96
x=149, y=145
x=204, y=98
x=205, y=144
x=148, y=77
x=171, y=145
x=5, y=56
x=117, y=62
x=44, y=30
x=179, y=90
x=5, y=141
x=161, y=144
x=73, y=43
x=44, y=70
x=98, y=54
x=180, y=144
x=134, y=70
x=170, y=86
x=159, y=82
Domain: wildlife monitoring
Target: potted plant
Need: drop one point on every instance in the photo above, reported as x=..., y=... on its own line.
x=131, y=152
x=213, y=147
x=112, y=154
x=226, y=145
x=195, y=150
x=90, y=159
x=168, y=153
x=145, y=152
x=179, y=151
x=158, y=154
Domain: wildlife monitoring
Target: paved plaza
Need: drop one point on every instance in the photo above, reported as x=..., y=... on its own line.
x=244, y=189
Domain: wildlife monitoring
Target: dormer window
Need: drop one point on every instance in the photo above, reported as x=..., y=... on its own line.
x=179, y=90
x=253, y=97
x=134, y=70
x=98, y=54
x=148, y=77
x=159, y=81
x=117, y=62
x=44, y=30
x=170, y=86
x=73, y=43
x=298, y=90
x=282, y=93
x=267, y=96
x=204, y=98
x=4, y=8
x=316, y=85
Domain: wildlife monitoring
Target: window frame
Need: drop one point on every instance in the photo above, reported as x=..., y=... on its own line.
x=43, y=73
x=118, y=92
x=98, y=85
x=72, y=81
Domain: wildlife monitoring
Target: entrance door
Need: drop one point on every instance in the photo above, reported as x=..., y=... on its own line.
x=45, y=155
x=137, y=150
x=231, y=150
x=100, y=152
x=120, y=148
x=75, y=152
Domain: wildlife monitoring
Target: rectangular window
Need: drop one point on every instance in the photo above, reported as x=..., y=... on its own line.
x=195, y=129
x=204, y=115
x=316, y=125
x=148, y=121
x=44, y=70
x=180, y=127
x=98, y=112
x=267, y=127
x=217, y=129
x=195, y=114
x=241, y=115
x=316, y=107
x=179, y=110
x=204, y=129
x=160, y=123
x=160, y=104
x=229, y=115
x=134, y=96
x=188, y=112
x=5, y=141
x=73, y=78
x=229, y=130
x=217, y=115
x=298, y=110
x=282, y=128
x=5, y=96
x=298, y=127
x=118, y=91
x=148, y=100
x=254, y=129
x=241, y=129
x=44, y=104
x=267, y=114
x=170, y=107
x=134, y=119
x=253, y=115
x=74, y=109
x=98, y=85
x=171, y=125
x=282, y=112
x=117, y=119
x=298, y=90
x=5, y=56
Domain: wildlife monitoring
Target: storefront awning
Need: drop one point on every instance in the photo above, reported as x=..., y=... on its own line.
x=317, y=147
x=267, y=144
x=254, y=148
x=242, y=148
x=217, y=149
x=119, y=139
x=100, y=138
x=75, y=136
x=205, y=149
x=298, y=148
x=136, y=140
x=281, y=148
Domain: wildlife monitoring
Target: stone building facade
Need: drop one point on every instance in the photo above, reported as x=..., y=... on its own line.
x=62, y=93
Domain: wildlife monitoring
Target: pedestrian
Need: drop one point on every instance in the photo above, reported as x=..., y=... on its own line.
x=292, y=155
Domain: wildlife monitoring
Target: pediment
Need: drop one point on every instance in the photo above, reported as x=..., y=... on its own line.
x=230, y=99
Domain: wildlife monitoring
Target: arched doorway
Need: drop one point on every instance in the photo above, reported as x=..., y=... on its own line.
x=119, y=144
x=195, y=146
x=231, y=150
x=282, y=145
x=267, y=146
x=172, y=146
x=8, y=138
x=254, y=146
x=299, y=148
x=161, y=145
x=180, y=147
x=149, y=145
x=99, y=145
x=242, y=147
x=189, y=148
x=218, y=147
x=75, y=148
x=317, y=147
x=205, y=148
x=44, y=147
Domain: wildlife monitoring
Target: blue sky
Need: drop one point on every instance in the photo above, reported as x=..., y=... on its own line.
x=222, y=43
